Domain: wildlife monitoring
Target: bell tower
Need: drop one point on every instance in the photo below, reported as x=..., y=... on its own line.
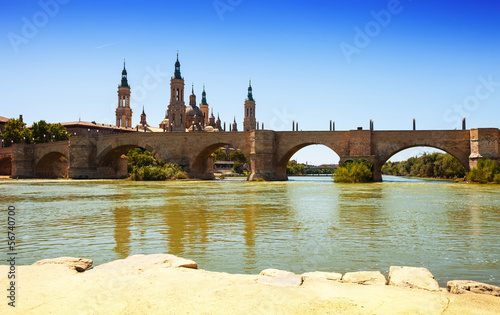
x=249, y=122
x=177, y=108
x=123, y=111
x=204, y=106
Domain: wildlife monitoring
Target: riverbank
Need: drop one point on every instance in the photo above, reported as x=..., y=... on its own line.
x=168, y=284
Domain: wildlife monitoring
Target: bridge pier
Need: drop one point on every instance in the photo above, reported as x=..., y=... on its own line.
x=83, y=159
x=484, y=144
x=263, y=157
x=23, y=163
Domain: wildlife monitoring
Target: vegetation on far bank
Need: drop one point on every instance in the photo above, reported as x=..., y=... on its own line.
x=433, y=165
x=238, y=157
x=354, y=172
x=16, y=131
x=142, y=165
x=294, y=169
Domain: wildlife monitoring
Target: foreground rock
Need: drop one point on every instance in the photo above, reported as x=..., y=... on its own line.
x=412, y=277
x=464, y=286
x=139, y=262
x=153, y=285
x=365, y=278
x=321, y=275
x=280, y=278
x=78, y=264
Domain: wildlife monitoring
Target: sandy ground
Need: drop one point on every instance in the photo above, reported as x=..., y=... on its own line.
x=161, y=289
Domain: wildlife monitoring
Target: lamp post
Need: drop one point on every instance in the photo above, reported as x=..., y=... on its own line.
x=44, y=138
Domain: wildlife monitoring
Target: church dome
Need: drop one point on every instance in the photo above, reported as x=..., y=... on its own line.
x=193, y=111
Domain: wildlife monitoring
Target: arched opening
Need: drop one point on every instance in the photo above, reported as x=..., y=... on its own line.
x=423, y=161
x=309, y=159
x=221, y=160
x=113, y=163
x=52, y=165
x=6, y=166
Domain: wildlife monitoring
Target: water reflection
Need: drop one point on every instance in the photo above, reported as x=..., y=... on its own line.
x=244, y=227
x=122, y=234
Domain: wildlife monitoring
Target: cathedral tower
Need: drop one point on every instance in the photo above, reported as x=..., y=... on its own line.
x=249, y=123
x=204, y=106
x=123, y=111
x=177, y=107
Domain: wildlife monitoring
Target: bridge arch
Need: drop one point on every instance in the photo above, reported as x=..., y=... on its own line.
x=111, y=164
x=52, y=165
x=202, y=165
x=283, y=160
x=462, y=158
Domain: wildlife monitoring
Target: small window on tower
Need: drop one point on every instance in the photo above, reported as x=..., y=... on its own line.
x=177, y=95
x=127, y=125
x=251, y=112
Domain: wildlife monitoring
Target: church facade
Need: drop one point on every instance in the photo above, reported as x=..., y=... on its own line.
x=179, y=116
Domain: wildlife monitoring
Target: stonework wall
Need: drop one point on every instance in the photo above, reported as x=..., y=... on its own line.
x=269, y=151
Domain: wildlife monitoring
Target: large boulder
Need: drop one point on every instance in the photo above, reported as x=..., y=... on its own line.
x=365, y=277
x=412, y=277
x=322, y=275
x=139, y=262
x=463, y=286
x=280, y=278
x=78, y=264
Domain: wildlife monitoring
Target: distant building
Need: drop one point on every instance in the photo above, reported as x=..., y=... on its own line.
x=3, y=121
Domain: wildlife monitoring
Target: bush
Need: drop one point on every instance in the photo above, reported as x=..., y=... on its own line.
x=142, y=165
x=487, y=171
x=354, y=172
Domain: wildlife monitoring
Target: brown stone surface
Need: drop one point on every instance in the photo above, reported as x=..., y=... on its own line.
x=78, y=264
x=322, y=275
x=412, y=277
x=365, y=278
x=464, y=286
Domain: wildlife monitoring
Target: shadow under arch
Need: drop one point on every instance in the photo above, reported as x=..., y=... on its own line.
x=202, y=165
x=112, y=164
x=283, y=161
x=6, y=166
x=52, y=165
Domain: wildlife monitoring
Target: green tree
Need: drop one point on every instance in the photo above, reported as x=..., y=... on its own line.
x=292, y=168
x=52, y=132
x=354, y=172
x=220, y=155
x=16, y=132
x=238, y=156
x=237, y=168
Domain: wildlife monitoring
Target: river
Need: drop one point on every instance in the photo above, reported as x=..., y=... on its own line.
x=305, y=224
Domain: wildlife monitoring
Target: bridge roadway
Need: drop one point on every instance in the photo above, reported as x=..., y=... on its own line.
x=269, y=151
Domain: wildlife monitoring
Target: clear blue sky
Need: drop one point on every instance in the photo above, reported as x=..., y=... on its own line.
x=309, y=61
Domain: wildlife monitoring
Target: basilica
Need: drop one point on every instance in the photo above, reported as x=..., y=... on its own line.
x=179, y=117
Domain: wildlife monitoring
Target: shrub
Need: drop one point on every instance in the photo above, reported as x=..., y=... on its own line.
x=486, y=171
x=354, y=172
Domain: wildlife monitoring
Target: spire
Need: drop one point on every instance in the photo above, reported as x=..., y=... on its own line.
x=204, y=97
x=143, y=113
x=124, y=76
x=250, y=96
x=177, y=73
x=192, y=88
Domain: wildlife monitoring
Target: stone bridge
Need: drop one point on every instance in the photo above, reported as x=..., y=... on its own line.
x=269, y=151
